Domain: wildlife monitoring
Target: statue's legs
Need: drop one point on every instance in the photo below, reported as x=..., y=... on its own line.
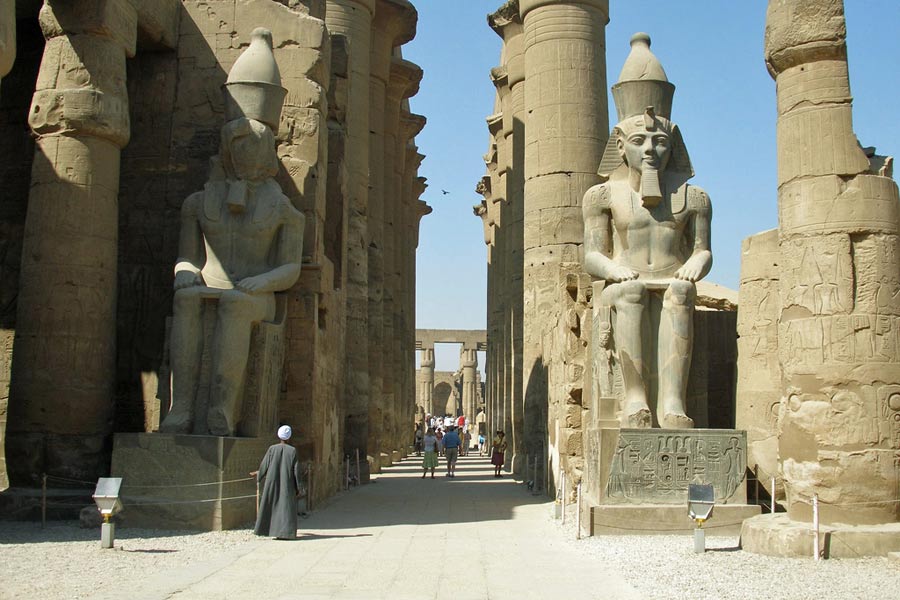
x=237, y=312
x=185, y=347
x=629, y=298
x=676, y=339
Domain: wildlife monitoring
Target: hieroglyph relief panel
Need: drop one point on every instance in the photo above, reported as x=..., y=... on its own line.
x=656, y=465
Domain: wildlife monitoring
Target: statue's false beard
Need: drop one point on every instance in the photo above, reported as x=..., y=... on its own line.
x=651, y=192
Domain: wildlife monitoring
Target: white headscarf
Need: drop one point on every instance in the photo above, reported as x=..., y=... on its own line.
x=284, y=432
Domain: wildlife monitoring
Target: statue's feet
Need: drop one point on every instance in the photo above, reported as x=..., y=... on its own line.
x=639, y=419
x=177, y=422
x=218, y=423
x=676, y=421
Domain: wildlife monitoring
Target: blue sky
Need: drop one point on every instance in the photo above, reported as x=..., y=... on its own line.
x=712, y=51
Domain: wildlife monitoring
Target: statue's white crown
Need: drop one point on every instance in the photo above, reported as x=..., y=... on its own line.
x=642, y=83
x=253, y=89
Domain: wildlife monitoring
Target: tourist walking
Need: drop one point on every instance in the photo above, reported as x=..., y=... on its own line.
x=498, y=452
x=279, y=473
x=482, y=445
x=467, y=441
x=451, y=443
x=430, y=446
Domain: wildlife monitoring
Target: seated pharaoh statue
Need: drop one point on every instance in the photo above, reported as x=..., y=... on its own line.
x=240, y=243
x=646, y=234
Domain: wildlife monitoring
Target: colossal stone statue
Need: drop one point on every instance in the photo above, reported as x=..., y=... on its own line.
x=646, y=233
x=241, y=241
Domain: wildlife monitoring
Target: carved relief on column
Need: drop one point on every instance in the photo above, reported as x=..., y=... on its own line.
x=839, y=312
x=62, y=388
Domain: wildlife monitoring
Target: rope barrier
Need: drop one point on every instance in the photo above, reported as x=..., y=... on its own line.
x=186, y=485
x=129, y=502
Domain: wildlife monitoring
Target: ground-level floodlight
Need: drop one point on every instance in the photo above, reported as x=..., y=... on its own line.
x=701, y=499
x=106, y=496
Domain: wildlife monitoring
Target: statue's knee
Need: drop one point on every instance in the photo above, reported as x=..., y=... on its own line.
x=233, y=303
x=681, y=292
x=632, y=292
x=186, y=299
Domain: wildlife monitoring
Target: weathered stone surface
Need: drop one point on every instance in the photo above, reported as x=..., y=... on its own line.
x=7, y=36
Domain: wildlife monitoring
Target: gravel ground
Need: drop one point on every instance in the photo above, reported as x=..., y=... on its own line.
x=64, y=561
x=666, y=567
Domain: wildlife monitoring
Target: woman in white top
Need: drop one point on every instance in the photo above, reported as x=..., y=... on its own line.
x=430, y=444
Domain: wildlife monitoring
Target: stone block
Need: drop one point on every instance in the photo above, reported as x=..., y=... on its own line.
x=778, y=535
x=661, y=519
x=187, y=481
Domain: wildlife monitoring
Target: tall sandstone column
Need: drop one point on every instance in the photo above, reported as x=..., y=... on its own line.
x=839, y=315
x=404, y=83
x=63, y=374
x=565, y=134
x=426, y=378
x=510, y=137
x=394, y=25
x=353, y=20
x=468, y=364
x=405, y=170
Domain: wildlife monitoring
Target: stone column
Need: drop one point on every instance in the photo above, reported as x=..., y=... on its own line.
x=405, y=169
x=403, y=83
x=839, y=316
x=426, y=377
x=353, y=20
x=7, y=36
x=565, y=134
x=394, y=25
x=467, y=365
x=61, y=397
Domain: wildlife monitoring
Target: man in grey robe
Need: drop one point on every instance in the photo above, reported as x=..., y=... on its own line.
x=279, y=473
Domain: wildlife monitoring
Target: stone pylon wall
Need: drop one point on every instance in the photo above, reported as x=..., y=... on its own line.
x=174, y=58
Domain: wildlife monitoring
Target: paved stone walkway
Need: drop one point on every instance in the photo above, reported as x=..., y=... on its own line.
x=402, y=537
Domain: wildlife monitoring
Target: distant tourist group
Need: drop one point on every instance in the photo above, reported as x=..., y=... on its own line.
x=451, y=438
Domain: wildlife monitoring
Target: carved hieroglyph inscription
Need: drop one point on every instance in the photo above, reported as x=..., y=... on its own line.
x=656, y=466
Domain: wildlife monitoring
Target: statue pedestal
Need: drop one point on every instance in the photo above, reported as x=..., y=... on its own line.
x=640, y=482
x=187, y=481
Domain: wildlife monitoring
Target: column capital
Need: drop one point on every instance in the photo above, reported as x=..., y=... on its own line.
x=398, y=18
x=113, y=19
x=404, y=79
x=504, y=18
x=412, y=125
x=526, y=6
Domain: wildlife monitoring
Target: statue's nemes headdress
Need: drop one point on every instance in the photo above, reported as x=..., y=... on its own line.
x=253, y=89
x=643, y=98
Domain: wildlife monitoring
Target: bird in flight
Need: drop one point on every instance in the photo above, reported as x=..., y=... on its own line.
x=445, y=192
